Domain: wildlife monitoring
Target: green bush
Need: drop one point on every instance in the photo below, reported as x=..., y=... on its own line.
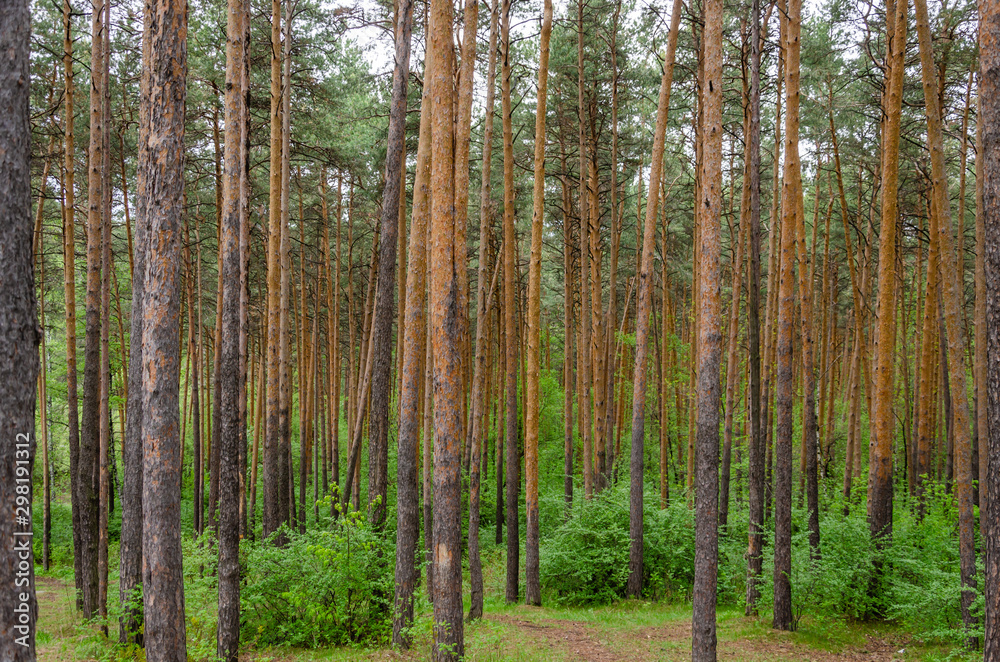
x=325, y=587
x=668, y=549
x=586, y=559
x=924, y=588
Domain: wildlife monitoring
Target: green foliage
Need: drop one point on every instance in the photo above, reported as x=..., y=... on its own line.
x=325, y=587
x=924, y=590
x=668, y=550
x=919, y=587
x=586, y=559
x=61, y=540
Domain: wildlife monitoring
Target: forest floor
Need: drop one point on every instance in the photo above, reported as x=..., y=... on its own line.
x=626, y=631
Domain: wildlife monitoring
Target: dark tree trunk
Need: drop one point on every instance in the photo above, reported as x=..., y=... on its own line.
x=88, y=466
x=790, y=195
x=69, y=282
x=498, y=449
x=756, y=445
x=533, y=589
x=275, y=484
x=480, y=399
x=19, y=339
x=415, y=335
x=130, y=568
x=643, y=310
x=381, y=333
x=511, y=333
x=989, y=171
x=161, y=164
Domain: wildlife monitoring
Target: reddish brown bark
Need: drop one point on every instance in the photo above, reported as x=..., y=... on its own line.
x=953, y=299
x=709, y=358
x=880, y=484
x=446, y=257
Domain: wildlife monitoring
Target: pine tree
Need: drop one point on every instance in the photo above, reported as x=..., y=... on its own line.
x=161, y=196
x=19, y=332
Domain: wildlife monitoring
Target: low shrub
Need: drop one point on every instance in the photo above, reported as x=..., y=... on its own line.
x=586, y=559
x=324, y=587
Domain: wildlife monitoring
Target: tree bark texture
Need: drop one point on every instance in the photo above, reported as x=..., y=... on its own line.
x=228, y=440
x=88, y=466
x=989, y=171
x=414, y=337
x=533, y=588
x=446, y=257
x=19, y=339
x=880, y=486
x=510, y=277
x=756, y=444
x=790, y=195
x=161, y=158
x=381, y=333
x=709, y=357
x=953, y=298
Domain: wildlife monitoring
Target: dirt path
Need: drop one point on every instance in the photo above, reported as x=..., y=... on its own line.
x=56, y=620
x=575, y=640
x=572, y=639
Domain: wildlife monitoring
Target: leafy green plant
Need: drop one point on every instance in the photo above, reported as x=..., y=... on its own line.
x=324, y=587
x=586, y=559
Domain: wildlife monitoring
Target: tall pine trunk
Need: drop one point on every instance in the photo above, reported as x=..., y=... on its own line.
x=880, y=484
x=19, y=334
x=69, y=283
x=480, y=399
x=790, y=208
x=989, y=173
x=414, y=337
x=709, y=357
x=445, y=324
x=510, y=277
x=275, y=491
x=756, y=445
x=381, y=332
x=643, y=311
x=88, y=467
x=533, y=589
x=161, y=164
x=953, y=298
x=228, y=440
x=583, y=347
